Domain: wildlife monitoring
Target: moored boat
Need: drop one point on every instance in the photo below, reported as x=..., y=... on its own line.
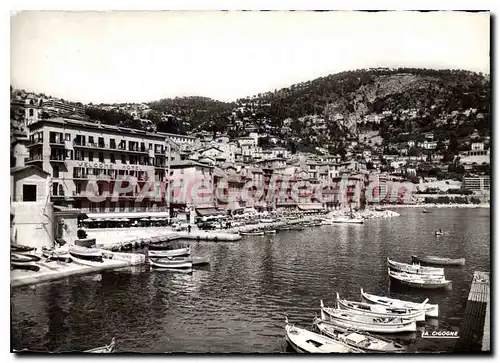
x=426, y=211
x=172, y=262
x=20, y=258
x=170, y=253
x=270, y=231
x=56, y=255
x=431, y=310
x=105, y=349
x=255, y=233
x=439, y=233
x=21, y=249
x=346, y=220
x=379, y=310
x=305, y=341
x=24, y=266
x=89, y=254
x=414, y=268
x=419, y=281
x=438, y=261
x=373, y=324
x=284, y=228
x=297, y=228
x=358, y=339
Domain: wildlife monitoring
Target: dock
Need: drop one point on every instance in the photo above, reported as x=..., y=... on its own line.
x=475, y=330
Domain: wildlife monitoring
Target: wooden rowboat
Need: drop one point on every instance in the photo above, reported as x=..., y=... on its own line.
x=270, y=231
x=379, y=310
x=24, y=266
x=349, y=320
x=170, y=253
x=21, y=248
x=172, y=262
x=357, y=339
x=105, y=349
x=414, y=268
x=89, y=254
x=56, y=255
x=305, y=341
x=257, y=233
x=438, y=261
x=20, y=258
x=431, y=310
x=419, y=281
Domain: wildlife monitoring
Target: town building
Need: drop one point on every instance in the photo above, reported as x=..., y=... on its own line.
x=479, y=184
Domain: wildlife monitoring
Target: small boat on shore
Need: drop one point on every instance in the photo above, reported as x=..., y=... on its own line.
x=270, y=231
x=254, y=233
x=419, y=281
x=16, y=257
x=21, y=248
x=305, y=341
x=346, y=220
x=56, y=255
x=357, y=339
x=172, y=262
x=350, y=320
x=438, y=261
x=84, y=253
x=431, y=310
x=105, y=349
x=169, y=253
x=379, y=310
x=414, y=268
x=24, y=266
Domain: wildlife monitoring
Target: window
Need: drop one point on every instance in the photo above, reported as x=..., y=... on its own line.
x=101, y=157
x=69, y=154
x=31, y=112
x=143, y=146
x=124, y=158
x=55, y=171
x=54, y=188
x=150, y=146
x=91, y=140
x=29, y=193
x=61, y=190
x=78, y=188
x=112, y=144
x=91, y=155
x=101, y=142
x=68, y=137
x=112, y=158
x=78, y=155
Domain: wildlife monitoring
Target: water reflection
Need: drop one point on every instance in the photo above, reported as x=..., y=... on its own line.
x=238, y=302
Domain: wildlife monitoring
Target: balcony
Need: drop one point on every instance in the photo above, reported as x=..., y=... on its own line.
x=35, y=159
x=134, y=150
x=90, y=145
x=35, y=143
x=57, y=158
x=160, y=166
x=81, y=176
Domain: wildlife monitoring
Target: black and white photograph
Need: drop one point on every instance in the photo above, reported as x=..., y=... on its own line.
x=245, y=182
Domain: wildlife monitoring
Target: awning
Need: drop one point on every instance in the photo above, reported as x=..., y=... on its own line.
x=207, y=212
x=130, y=215
x=310, y=206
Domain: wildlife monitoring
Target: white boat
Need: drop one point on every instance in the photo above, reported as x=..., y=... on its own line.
x=267, y=220
x=346, y=220
x=105, y=349
x=379, y=310
x=305, y=341
x=414, y=268
x=357, y=339
x=84, y=253
x=431, y=310
x=171, y=262
x=270, y=231
x=349, y=320
x=420, y=281
x=170, y=253
x=438, y=233
x=256, y=233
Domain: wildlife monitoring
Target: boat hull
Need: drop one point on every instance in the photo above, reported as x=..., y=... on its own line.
x=171, y=263
x=347, y=221
x=302, y=341
x=88, y=254
x=431, y=310
x=23, y=258
x=419, y=281
x=24, y=266
x=170, y=253
x=382, y=345
x=414, y=268
x=433, y=261
x=351, y=322
x=56, y=255
x=418, y=315
x=252, y=233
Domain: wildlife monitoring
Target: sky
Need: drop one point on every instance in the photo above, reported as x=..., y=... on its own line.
x=106, y=57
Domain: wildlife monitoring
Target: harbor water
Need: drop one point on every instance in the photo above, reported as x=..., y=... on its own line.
x=239, y=302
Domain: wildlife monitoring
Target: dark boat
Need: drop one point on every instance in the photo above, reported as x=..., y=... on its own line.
x=15, y=257
x=21, y=248
x=438, y=261
x=426, y=211
x=89, y=254
x=85, y=242
x=24, y=266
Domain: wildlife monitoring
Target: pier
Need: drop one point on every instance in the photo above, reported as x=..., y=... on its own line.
x=475, y=329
